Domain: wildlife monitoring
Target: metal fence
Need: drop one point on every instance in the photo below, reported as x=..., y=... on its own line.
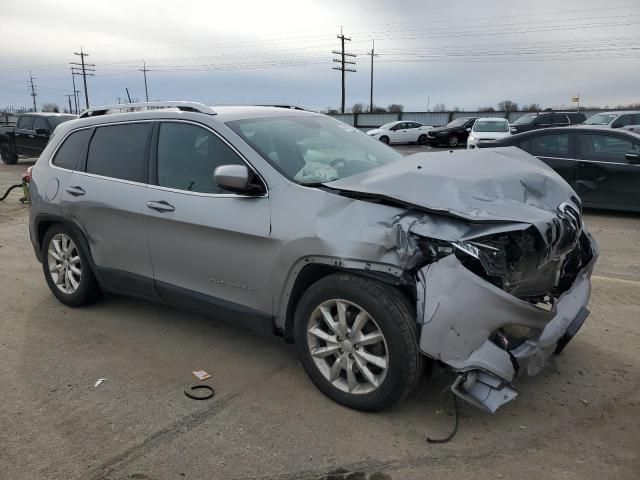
x=7, y=118
x=436, y=119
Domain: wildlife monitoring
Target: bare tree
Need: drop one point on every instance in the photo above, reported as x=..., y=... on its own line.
x=486, y=109
x=440, y=107
x=532, y=107
x=357, y=108
x=51, y=107
x=378, y=109
x=508, y=106
x=395, y=108
x=331, y=111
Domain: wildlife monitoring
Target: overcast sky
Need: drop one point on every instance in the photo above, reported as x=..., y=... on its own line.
x=463, y=53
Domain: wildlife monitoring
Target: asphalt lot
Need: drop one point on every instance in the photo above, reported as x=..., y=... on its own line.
x=579, y=419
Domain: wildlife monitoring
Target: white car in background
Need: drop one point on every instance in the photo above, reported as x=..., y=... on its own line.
x=487, y=129
x=401, y=132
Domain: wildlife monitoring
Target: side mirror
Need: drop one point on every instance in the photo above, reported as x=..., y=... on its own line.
x=468, y=129
x=42, y=131
x=616, y=124
x=235, y=178
x=633, y=156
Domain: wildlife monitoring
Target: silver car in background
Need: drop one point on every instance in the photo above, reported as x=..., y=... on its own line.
x=299, y=225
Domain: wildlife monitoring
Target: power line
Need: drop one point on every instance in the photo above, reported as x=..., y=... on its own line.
x=33, y=91
x=85, y=67
x=343, y=62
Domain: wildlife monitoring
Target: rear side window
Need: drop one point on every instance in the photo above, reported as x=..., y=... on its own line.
x=560, y=119
x=576, y=118
x=605, y=148
x=188, y=155
x=25, y=123
x=550, y=145
x=119, y=151
x=68, y=154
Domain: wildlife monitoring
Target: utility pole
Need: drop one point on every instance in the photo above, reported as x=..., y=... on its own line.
x=128, y=96
x=33, y=91
x=373, y=54
x=343, y=62
x=144, y=70
x=69, y=98
x=85, y=67
x=75, y=92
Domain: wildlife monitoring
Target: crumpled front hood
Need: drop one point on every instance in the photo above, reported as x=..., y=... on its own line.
x=486, y=185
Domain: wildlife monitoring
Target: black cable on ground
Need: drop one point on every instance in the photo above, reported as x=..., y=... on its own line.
x=455, y=426
x=9, y=190
x=209, y=392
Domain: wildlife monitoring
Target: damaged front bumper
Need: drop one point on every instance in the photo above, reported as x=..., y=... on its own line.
x=460, y=313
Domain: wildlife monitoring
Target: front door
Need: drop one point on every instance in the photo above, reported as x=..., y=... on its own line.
x=605, y=177
x=23, y=135
x=206, y=244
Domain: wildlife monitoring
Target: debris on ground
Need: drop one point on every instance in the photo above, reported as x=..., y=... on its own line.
x=99, y=382
x=201, y=374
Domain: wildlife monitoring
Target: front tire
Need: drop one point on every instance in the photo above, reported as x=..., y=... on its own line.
x=452, y=141
x=357, y=341
x=8, y=157
x=66, y=268
x=384, y=139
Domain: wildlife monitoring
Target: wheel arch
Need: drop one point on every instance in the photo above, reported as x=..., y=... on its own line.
x=309, y=270
x=44, y=222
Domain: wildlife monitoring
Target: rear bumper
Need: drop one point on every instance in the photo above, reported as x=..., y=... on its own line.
x=457, y=328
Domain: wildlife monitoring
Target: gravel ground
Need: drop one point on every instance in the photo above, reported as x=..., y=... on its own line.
x=579, y=419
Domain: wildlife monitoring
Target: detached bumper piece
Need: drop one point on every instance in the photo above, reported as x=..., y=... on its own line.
x=482, y=390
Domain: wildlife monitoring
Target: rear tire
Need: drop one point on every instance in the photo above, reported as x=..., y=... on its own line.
x=384, y=139
x=8, y=157
x=422, y=139
x=66, y=268
x=367, y=364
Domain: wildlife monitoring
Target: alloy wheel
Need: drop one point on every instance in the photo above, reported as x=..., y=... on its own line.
x=65, y=266
x=347, y=346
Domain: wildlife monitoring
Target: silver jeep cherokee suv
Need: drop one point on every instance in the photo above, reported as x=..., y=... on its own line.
x=297, y=224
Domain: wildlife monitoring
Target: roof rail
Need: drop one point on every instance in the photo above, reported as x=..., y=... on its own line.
x=130, y=107
x=290, y=107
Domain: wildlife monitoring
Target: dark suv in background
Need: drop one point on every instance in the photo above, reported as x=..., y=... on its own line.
x=452, y=134
x=534, y=121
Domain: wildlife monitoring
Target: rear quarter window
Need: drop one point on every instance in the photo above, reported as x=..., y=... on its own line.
x=69, y=152
x=120, y=151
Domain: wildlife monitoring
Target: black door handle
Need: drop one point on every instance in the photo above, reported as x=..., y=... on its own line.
x=75, y=191
x=161, y=206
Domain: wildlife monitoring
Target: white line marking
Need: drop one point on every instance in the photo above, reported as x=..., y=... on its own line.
x=619, y=280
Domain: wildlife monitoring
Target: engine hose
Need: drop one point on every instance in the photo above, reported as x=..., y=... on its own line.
x=19, y=185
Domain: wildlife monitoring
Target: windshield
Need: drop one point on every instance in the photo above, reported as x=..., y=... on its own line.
x=312, y=150
x=55, y=121
x=458, y=122
x=601, y=119
x=526, y=119
x=387, y=126
x=491, y=126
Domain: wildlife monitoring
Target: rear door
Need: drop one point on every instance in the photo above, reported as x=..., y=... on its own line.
x=24, y=134
x=605, y=177
x=41, y=133
x=205, y=243
x=555, y=148
x=104, y=197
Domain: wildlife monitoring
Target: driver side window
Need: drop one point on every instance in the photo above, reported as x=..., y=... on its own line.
x=187, y=156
